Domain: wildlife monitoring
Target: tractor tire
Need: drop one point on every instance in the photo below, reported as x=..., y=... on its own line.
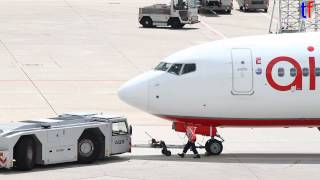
x=176, y=24
x=24, y=154
x=88, y=148
x=146, y=22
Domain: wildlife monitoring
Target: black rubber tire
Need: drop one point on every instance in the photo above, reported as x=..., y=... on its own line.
x=166, y=152
x=241, y=8
x=213, y=147
x=146, y=22
x=95, y=146
x=24, y=154
x=265, y=10
x=228, y=11
x=176, y=24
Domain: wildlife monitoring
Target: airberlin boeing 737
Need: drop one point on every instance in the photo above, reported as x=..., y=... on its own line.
x=258, y=81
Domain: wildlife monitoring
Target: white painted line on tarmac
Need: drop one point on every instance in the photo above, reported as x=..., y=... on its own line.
x=216, y=32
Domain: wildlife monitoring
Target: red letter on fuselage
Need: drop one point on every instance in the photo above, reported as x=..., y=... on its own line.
x=312, y=66
x=297, y=81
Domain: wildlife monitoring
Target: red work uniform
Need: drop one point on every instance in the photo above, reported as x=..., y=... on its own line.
x=191, y=134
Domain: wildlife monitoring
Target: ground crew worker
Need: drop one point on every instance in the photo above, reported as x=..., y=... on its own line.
x=191, y=134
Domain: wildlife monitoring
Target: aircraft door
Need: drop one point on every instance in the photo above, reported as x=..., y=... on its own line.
x=242, y=72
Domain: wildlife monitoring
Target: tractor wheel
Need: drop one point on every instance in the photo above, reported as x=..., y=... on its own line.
x=24, y=154
x=88, y=148
x=146, y=22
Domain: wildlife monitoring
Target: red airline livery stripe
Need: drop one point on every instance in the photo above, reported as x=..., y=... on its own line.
x=236, y=122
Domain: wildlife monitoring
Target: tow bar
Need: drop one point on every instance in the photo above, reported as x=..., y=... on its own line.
x=160, y=144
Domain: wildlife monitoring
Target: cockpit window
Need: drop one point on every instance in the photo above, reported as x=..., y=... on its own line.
x=188, y=68
x=163, y=66
x=175, y=69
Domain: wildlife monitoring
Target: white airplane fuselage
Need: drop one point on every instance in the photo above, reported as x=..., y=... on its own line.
x=269, y=80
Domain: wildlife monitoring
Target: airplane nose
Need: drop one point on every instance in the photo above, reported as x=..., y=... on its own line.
x=135, y=93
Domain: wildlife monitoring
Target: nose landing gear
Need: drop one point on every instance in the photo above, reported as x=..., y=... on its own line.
x=214, y=146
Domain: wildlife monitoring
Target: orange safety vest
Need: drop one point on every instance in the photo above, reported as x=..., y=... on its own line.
x=191, y=133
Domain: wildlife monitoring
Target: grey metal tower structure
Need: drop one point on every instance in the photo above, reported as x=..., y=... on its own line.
x=290, y=18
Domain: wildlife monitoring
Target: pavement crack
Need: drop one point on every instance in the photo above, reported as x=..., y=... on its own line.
x=55, y=62
x=76, y=12
x=246, y=167
x=293, y=164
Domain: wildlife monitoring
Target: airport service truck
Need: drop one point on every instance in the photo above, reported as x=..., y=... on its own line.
x=246, y=5
x=176, y=15
x=82, y=137
x=216, y=5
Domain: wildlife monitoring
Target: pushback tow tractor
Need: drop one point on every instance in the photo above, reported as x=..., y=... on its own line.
x=70, y=137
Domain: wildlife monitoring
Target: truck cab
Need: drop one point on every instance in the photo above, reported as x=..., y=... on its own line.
x=176, y=15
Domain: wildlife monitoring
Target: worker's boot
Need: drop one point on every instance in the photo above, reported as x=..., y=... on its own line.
x=196, y=156
x=181, y=155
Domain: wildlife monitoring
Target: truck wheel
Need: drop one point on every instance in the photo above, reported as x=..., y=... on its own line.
x=24, y=153
x=228, y=11
x=213, y=147
x=241, y=8
x=265, y=10
x=146, y=22
x=88, y=148
x=175, y=24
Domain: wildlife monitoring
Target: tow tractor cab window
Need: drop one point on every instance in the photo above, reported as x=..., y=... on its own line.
x=192, y=3
x=180, y=4
x=119, y=128
x=163, y=66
